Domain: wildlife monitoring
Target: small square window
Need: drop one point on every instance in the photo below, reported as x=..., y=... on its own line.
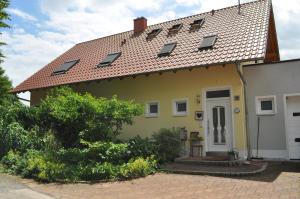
x=197, y=24
x=180, y=107
x=152, y=109
x=265, y=105
x=153, y=34
x=174, y=29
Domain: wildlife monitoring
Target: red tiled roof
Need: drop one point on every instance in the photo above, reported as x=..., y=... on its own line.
x=240, y=37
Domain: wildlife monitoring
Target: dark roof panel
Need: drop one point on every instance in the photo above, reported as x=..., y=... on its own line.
x=208, y=42
x=167, y=49
x=65, y=67
x=109, y=59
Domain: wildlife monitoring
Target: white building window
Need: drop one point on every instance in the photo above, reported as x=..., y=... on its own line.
x=152, y=109
x=265, y=105
x=180, y=107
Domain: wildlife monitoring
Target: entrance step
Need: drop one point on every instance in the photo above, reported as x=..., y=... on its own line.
x=217, y=154
x=252, y=168
x=209, y=160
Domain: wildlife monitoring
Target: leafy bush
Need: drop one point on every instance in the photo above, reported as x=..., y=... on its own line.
x=13, y=162
x=72, y=116
x=45, y=167
x=141, y=147
x=167, y=142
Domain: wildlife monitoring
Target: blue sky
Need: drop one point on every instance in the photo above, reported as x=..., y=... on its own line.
x=44, y=29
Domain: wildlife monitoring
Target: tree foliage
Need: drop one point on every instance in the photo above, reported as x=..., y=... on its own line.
x=3, y=16
x=73, y=116
x=5, y=83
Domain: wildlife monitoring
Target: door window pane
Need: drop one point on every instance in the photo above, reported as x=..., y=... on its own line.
x=215, y=125
x=222, y=123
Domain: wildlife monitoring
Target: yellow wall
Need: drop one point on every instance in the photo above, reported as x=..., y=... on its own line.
x=166, y=87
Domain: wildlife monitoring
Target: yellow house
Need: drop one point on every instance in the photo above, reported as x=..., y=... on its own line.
x=187, y=72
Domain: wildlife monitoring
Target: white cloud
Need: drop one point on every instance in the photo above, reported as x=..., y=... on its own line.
x=20, y=13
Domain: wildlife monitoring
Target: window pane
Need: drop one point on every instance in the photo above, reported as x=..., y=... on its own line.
x=216, y=94
x=181, y=106
x=153, y=108
x=266, y=105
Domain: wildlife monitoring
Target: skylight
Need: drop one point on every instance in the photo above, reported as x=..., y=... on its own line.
x=153, y=33
x=197, y=24
x=109, y=59
x=167, y=49
x=174, y=29
x=65, y=67
x=208, y=42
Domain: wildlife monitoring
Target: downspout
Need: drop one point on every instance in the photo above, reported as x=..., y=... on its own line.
x=238, y=69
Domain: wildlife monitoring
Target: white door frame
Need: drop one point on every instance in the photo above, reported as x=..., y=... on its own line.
x=285, y=119
x=204, y=107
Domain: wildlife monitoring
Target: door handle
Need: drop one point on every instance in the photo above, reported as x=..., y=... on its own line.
x=208, y=130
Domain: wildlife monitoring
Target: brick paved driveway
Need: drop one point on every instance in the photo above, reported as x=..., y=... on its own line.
x=281, y=180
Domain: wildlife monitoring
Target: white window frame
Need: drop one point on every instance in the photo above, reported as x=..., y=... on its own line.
x=147, y=109
x=258, y=100
x=174, y=105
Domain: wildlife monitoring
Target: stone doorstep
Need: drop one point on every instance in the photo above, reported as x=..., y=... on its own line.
x=200, y=171
x=209, y=162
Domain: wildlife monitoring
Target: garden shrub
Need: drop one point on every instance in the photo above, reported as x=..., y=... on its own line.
x=138, y=167
x=167, y=142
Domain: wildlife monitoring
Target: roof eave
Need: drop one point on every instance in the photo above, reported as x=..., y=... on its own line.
x=16, y=91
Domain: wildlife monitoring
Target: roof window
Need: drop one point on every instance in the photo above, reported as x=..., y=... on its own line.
x=109, y=59
x=197, y=24
x=65, y=67
x=174, y=29
x=153, y=33
x=167, y=49
x=208, y=42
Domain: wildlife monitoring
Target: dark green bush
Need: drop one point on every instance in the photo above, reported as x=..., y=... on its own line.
x=15, y=137
x=167, y=142
x=141, y=147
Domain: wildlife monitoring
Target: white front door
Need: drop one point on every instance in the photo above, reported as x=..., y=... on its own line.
x=293, y=125
x=219, y=124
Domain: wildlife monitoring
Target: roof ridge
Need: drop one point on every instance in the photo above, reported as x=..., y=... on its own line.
x=181, y=18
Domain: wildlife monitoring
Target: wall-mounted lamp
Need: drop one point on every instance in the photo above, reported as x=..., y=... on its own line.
x=198, y=99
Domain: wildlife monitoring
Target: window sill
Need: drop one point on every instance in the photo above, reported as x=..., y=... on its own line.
x=151, y=116
x=265, y=114
x=180, y=114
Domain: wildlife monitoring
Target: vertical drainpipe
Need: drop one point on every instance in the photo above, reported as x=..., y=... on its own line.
x=238, y=69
